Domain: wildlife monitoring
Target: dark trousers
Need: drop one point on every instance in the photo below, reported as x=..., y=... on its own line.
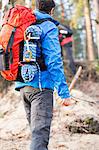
x=70, y=58
x=39, y=108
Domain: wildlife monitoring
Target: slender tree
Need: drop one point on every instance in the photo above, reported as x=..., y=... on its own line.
x=80, y=6
x=96, y=2
x=90, y=47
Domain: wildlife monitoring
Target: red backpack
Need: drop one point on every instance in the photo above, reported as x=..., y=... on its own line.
x=15, y=23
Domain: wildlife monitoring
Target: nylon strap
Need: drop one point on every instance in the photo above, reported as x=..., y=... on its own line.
x=8, y=55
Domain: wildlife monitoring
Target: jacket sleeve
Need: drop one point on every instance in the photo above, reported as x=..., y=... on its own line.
x=53, y=60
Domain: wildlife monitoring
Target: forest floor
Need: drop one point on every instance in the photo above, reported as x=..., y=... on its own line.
x=73, y=128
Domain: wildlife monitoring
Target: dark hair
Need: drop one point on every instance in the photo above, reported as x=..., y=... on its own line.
x=45, y=5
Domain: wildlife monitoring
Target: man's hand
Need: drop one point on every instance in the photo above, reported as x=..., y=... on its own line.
x=68, y=101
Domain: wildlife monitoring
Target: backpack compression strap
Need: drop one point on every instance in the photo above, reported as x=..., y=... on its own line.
x=8, y=56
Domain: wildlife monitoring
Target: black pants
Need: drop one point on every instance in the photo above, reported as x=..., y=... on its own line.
x=39, y=108
x=70, y=58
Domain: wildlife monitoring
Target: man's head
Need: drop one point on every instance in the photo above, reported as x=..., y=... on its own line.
x=45, y=5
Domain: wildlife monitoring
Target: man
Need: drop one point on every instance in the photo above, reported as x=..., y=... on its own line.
x=39, y=103
x=65, y=36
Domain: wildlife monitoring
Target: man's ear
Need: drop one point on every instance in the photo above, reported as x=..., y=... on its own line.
x=52, y=12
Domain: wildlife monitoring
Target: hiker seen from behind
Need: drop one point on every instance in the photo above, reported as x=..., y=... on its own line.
x=36, y=66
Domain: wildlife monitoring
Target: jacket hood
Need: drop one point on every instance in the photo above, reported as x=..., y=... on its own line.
x=43, y=15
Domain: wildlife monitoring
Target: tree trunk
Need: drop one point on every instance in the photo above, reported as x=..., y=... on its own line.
x=96, y=2
x=90, y=45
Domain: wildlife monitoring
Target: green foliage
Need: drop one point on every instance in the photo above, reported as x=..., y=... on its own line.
x=78, y=12
x=96, y=64
x=79, y=9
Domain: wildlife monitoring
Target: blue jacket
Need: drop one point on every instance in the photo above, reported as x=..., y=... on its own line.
x=54, y=76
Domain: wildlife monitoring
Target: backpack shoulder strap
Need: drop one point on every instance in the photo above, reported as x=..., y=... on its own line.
x=39, y=21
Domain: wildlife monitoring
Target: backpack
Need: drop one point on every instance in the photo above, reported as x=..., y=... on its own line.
x=15, y=23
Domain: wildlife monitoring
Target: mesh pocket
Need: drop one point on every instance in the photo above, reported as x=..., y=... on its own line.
x=28, y=72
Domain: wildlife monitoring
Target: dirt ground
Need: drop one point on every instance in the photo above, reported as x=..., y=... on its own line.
x=14, y=129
